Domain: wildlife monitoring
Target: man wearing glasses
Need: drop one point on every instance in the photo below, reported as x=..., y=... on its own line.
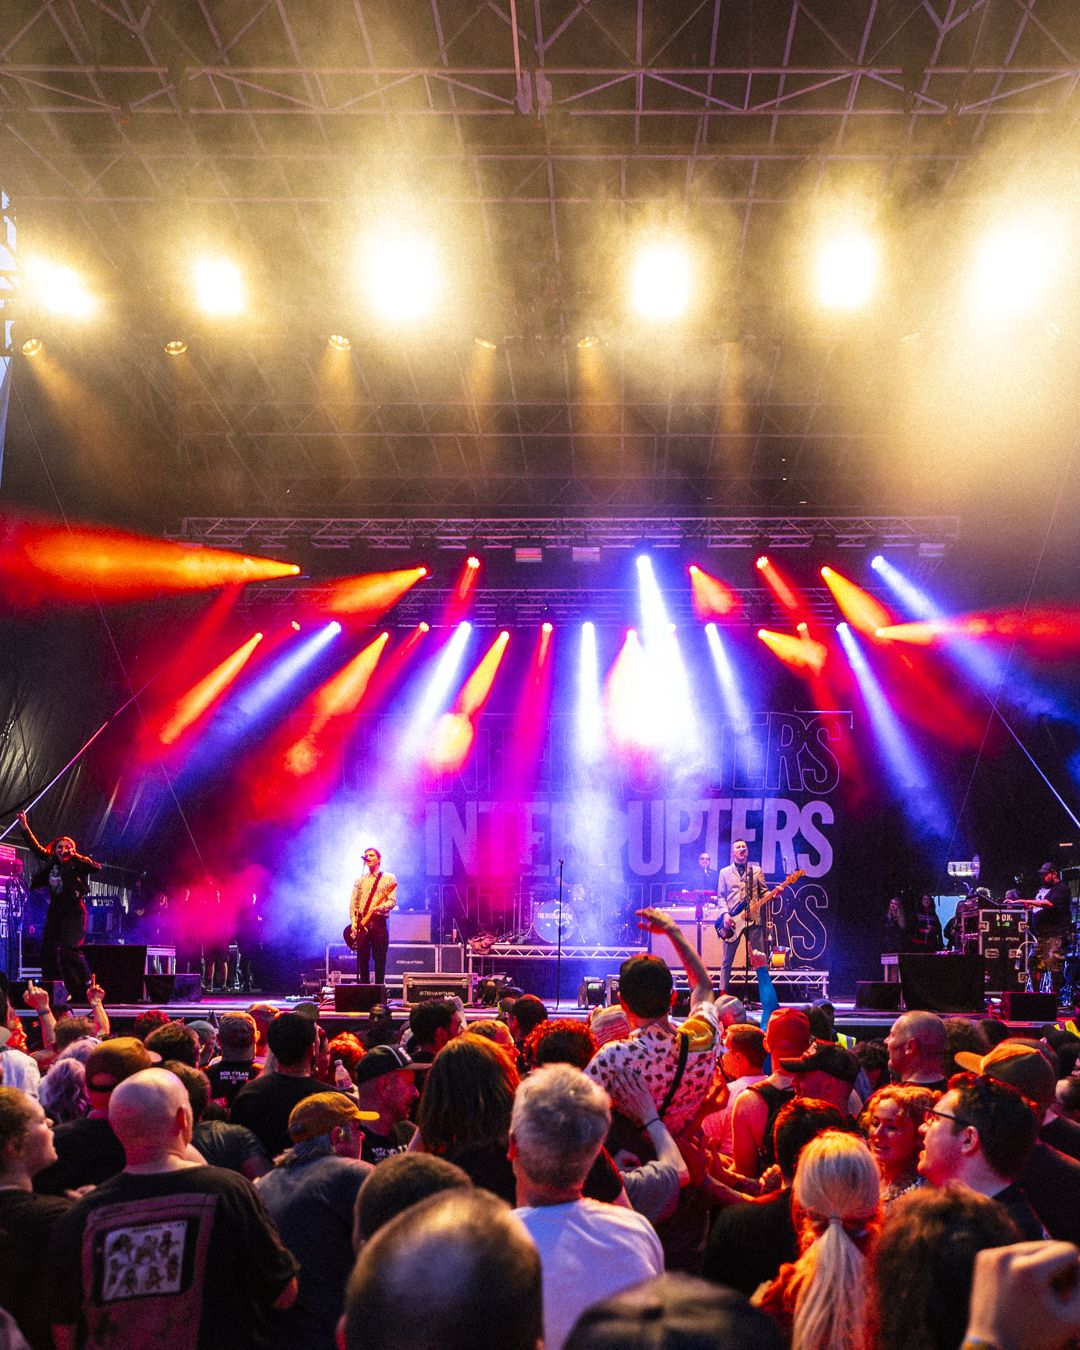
x=979, y=1135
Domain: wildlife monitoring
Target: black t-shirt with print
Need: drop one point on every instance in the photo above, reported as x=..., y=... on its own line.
x=188, y=1259
x=26, y=1278
x=228, y=1076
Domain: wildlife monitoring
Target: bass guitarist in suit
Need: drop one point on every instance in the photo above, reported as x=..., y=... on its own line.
x=739, y=886
x=372, y=901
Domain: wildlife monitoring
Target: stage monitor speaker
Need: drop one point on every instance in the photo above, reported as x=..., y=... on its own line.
x=358, y=997
x=119, y=970
x=451, y=958
x=181, y=988
x=877, y=996
x=590, y=992
x=942, y=984
x=1021, y=1007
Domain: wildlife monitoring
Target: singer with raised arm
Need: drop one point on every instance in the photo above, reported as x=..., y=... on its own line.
x=368, y=933
x=64, y=875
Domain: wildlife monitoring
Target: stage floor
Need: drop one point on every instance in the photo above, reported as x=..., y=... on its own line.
x=862, y=1025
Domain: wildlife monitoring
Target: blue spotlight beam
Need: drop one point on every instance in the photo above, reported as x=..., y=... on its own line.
x=903, y=763
x=436, y=693
x=675, y=712
x=264, y=698
x=589, y=706
x=990, y=674
x=734, y=703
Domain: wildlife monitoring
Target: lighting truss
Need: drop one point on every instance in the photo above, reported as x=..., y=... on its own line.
x=930, y=536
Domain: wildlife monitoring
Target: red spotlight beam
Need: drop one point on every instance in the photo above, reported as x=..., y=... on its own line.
x=780, y=587
x=84, y=564
x=712, y=598
x=371, y=596
x=859, y=607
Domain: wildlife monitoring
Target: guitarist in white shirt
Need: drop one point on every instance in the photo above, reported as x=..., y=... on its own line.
x=740, y=885
x=372, y=900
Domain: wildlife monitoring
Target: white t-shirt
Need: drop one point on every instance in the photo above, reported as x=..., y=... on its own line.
x=20, y=1071
x=588, y=1252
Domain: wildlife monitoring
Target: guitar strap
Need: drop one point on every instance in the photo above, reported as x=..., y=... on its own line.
x=363, y=918
x=680, y=1069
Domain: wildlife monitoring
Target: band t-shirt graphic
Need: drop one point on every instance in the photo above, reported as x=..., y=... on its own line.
x=191, y=1269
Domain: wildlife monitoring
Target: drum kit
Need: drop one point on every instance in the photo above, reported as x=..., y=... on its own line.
x=582, y=917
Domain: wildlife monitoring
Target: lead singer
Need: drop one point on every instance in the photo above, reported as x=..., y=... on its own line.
x=372, y=901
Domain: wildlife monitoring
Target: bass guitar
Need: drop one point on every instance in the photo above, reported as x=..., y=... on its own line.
x=731, y=927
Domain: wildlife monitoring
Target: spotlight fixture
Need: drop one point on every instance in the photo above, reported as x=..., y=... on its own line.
x=219, y=287
x=660, y=282
x=547, y=627
x=339, y=342
x=59, y=289
x=402, y=274
x=33, y=347
x=472, y=562
x=424, y=627
x=486, y=344
x=176, y=347
x=587, y=341
x=294, y=626
x=762, y=563
x=847, y=270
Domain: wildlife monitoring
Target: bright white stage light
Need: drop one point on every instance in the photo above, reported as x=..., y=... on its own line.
x=847, y=270
x=402, y=276
x=660, y=281
x=219, y=287
x=1013, y=267
x=590, y=718
x=58, y=290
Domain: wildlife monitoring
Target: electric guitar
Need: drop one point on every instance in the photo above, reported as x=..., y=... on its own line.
x=731, y=927
x=352, y=935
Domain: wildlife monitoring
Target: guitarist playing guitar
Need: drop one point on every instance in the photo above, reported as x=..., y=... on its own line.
x=743, y=896
x=372, y=900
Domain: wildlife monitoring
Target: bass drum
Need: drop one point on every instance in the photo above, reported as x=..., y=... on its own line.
x=549, y=923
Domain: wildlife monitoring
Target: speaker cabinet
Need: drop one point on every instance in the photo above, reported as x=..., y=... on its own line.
x=119, y=970
x=181, y=988
x=877, y=996
x=358, y=997
x=942, y=984
x=1021, y=1007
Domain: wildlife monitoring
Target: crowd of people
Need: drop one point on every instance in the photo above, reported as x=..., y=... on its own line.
x=632, y=1181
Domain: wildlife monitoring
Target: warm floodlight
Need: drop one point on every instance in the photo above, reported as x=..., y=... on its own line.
x=33, y=347
x=587, y=342
x=219, y=287
x=177, y=347
x=58, y=290
x=339, y=342
x=660, y=281
x=486, y=344
x=847, y=270
x=1012, y=268
x=402, y=276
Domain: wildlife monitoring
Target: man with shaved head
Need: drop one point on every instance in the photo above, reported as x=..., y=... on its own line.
x=167, y=1252
x=916, y=1046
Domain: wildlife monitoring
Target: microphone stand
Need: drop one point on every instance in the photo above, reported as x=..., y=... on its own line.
x=558, y=948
